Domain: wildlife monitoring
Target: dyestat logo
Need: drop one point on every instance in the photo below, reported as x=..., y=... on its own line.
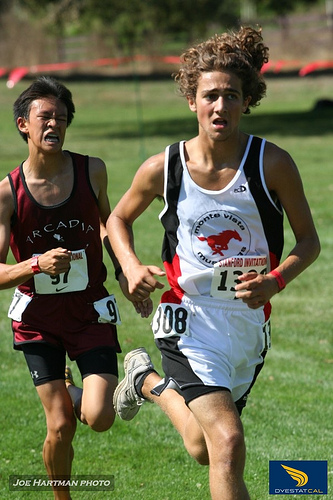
x=306, y=477
x=300, y=477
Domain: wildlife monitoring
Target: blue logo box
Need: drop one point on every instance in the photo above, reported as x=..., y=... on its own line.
x=298, y=477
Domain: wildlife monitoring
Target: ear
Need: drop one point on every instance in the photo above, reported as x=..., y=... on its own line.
x=246, y=103
x=192, y=104
x=22, y=124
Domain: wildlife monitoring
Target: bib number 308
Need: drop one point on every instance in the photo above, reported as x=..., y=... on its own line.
x=170, y=320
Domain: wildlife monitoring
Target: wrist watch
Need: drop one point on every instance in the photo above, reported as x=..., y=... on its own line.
x=34, y=265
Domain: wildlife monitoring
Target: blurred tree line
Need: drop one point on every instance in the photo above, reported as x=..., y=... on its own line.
x=131, y=26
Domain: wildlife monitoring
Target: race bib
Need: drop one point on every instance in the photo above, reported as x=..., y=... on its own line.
x=267, y=335
x=227, y=272
x=18, y=305
x=108, y=310
x=73, y=280
x=170, y=320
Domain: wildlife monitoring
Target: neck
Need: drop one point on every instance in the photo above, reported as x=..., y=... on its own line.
x=43, y=166
x=218, y=154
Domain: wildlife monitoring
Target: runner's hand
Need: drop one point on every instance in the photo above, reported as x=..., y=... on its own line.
x=142, y=307
x=256, y=290
x=141, y=281
x=55, y=261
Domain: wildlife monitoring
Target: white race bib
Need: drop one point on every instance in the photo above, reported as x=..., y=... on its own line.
x=170, y=320
x=18, y=305
x=227, y=272
x=74, y=280
x=108, y=310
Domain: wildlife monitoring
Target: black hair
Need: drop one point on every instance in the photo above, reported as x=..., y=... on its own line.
x=43, y=86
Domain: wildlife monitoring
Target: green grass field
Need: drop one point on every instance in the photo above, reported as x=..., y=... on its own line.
x=289, y=413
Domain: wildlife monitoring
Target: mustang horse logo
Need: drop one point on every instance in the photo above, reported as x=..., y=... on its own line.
x=220, y=241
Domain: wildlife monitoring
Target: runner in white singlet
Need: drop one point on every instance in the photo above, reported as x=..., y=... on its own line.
x=224, y=193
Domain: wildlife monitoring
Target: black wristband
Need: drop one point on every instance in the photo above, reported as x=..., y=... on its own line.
x=117, y=271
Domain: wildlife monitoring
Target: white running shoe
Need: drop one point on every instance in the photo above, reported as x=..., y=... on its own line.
x=126, y=401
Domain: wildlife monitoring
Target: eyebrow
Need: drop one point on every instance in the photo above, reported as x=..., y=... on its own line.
x=47, y=113
x=228, y=89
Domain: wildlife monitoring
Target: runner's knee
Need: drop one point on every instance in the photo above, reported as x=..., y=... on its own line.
x=61, y=430
x=199, y=453
x=101, y=422
x=197, y=448
x=228, y=447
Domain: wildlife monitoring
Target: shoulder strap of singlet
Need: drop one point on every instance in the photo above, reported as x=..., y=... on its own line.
x=251, y=166
x=175, y=172
x=255, y=175
x=169, y=218
x=14, y=214
x=271, y=215
x=81, y=164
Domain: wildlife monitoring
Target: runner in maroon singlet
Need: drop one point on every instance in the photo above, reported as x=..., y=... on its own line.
x=53, y=210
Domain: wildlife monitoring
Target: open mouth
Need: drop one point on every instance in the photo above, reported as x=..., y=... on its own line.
x=52, y=138
x=220, y=122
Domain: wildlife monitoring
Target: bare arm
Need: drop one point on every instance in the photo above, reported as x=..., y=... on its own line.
x=99, y=182
x=146, y=186
x=52, y=262
x=283, y=179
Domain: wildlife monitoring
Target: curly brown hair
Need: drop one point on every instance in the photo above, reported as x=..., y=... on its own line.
x=242, y=52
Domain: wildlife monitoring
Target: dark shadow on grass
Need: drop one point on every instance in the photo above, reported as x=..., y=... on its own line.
x=306, y=123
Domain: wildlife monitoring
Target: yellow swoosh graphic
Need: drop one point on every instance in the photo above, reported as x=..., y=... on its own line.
x=297, y=475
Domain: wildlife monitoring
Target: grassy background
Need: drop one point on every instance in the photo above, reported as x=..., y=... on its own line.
x=289, y=413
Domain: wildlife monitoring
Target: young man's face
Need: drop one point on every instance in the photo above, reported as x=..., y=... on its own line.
x=219, y=104
x=46, y=125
